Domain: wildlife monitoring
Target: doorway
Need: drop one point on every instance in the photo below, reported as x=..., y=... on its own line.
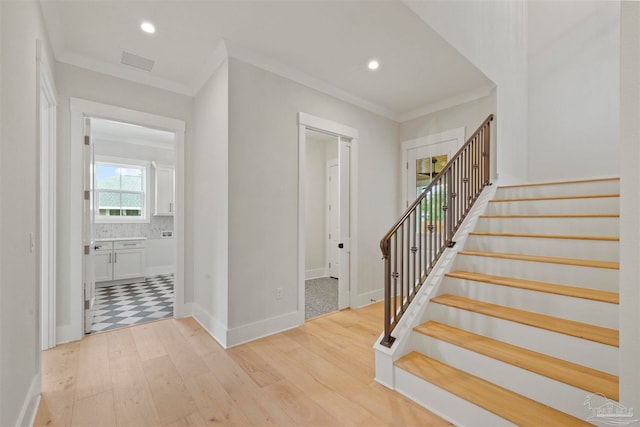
x=131, y=225
x=80, y=110
x=327, y=229
x=424, y=158
x=322, y=213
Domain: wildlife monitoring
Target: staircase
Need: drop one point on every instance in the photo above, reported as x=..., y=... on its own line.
x=524, y=328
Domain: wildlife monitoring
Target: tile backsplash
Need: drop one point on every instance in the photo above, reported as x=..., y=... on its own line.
x=150, y=230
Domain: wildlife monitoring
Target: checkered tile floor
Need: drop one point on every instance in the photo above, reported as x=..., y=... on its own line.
x=123, y=305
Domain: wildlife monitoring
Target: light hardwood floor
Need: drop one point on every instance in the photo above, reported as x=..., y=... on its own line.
x=172, y=373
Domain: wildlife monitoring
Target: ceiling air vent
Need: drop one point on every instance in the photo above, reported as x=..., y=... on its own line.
x=136, y=61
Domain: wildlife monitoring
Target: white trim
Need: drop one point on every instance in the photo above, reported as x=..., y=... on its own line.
x=326, y=126
x=30, y=403
x=308, y=121
x=424, y=141
x=213, y=62
x=213, y=327
x=122, y=72
x=316, y=273
x=81, y=108
x=369, y=298
x=329, y=164
x=263, y=328
x=261, y=61
x=443, y=104
x=65, y=334
x=46, y=188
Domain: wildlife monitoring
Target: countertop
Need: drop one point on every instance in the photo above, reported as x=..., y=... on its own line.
x=119, y=239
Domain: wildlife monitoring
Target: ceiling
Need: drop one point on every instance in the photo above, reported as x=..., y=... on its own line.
x=328, y=42
x=105, y=131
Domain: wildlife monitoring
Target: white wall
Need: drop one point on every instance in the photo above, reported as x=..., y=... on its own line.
x=263, y=189
x=493, y=37
x=468, y=115
x=210, y=204
x=80, y=83
x=20, y=26
x=630, y=206
x=574, y=89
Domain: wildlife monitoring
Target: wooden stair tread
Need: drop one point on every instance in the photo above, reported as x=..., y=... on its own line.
x=553, y=216
x=511, y=406
x=568, y=327
x=546, y=236
x=552, y=260
x=551, y=288
x=533, y=199
x=579, y=181
x=588, y=379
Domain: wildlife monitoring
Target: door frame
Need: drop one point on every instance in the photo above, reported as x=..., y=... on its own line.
x=308, y=121
x=424, y=141
x=329, y=164
x=81, y=108
x=47, y=171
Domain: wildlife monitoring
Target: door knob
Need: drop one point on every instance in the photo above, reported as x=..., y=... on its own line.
x=340, y=245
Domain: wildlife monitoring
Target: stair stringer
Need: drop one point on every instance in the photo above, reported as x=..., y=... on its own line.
x=405, y=340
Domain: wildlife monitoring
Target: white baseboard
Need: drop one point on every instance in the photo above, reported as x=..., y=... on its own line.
x=232, y=337
x=368, y=298
x=183, y=310
x=263, y=328
x=216, y=329
x=316, y=273
x=65, y=334
x=30, y=406
x=159, y=270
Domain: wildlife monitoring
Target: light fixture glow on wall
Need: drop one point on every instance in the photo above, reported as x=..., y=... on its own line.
x=148, y=27
x=373, y=65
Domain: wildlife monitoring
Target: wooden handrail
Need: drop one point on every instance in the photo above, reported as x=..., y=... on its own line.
x=415, y=242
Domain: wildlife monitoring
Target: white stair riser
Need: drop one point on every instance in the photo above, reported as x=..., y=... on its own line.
x=598, y=205
x=584, y=352
x=459, y=411
x=601, y=250
x=573, y=226
x=559, y=190
x=586, y=277
x=545, y=390
x=564, y=307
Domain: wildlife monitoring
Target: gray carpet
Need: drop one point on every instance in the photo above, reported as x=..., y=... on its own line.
x=321, y=296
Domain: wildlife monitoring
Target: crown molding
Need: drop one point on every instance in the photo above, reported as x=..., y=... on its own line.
x=123, y=72
x=443, y=104
x=265, y=63
x=214, y=61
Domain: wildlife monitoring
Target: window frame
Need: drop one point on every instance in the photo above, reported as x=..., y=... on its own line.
x=146, y=196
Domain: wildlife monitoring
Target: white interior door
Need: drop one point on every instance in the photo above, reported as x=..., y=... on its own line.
x=88, y=220
x=333, y=215
x=344, y=245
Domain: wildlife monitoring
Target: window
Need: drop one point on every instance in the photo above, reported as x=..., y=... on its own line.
x=121, y=192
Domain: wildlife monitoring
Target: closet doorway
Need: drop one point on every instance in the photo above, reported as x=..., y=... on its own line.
x=327, y=226
x=322, y=214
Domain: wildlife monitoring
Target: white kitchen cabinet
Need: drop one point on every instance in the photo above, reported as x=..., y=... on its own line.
x=119, y=260
x=102, y=261
x=164, y=191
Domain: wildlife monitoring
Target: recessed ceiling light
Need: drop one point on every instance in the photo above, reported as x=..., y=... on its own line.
x=373, y=65
x=148, y=27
